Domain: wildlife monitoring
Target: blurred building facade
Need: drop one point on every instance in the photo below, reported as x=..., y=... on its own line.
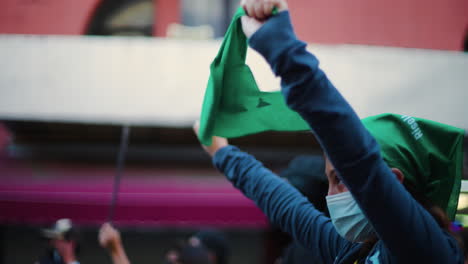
x=429, y=24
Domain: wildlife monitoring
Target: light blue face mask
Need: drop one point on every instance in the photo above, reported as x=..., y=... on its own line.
x=348, y=218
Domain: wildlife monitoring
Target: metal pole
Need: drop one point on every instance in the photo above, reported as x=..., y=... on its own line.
x=227, y=14
x=124, y=141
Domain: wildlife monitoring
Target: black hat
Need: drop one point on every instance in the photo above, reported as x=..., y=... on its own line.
x=307, y=174
x=216, y=242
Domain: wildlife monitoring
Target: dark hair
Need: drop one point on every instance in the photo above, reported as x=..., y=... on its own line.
x=436, y=212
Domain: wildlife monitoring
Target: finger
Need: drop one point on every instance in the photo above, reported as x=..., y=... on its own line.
x=196, y=127
x=268, y=9
x=220, y=141
x=258, y=11
x=102, y=233
x=101, y=239
x=105, y=228
x=250, y=25
x=249, y=8
x=246, y=20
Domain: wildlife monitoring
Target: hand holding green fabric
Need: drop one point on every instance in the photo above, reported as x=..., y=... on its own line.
x=233, y=105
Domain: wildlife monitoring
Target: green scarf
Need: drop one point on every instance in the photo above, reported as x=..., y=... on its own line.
x=233, y=105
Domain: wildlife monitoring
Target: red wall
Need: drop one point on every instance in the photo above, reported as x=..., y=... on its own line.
x=432, y=24
x=68, y=17
x=167, y=11
x=55, y=17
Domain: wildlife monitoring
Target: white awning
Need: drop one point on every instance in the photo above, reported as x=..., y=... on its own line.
x=161, y=82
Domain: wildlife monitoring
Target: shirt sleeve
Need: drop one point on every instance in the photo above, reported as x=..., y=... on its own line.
x=281, y=203
x=407, y=229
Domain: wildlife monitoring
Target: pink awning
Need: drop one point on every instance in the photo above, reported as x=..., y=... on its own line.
x=41, y=192
x=163, y=202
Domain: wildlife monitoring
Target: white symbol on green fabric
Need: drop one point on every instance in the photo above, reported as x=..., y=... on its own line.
x=416, y=131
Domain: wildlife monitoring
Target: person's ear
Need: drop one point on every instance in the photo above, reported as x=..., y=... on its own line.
x=399, y=175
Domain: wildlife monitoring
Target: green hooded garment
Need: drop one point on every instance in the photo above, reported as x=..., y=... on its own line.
x=429, y=154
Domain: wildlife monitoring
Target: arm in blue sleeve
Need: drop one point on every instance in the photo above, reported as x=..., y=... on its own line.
x=406, y=228
x=280, y=202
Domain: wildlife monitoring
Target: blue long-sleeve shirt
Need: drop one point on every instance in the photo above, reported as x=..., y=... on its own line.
x=407, y=232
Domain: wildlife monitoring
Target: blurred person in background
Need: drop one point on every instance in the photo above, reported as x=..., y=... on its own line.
x=205, y=247
x=62, y=243
x=306, y=174
x=188, y=254
x=215, y=242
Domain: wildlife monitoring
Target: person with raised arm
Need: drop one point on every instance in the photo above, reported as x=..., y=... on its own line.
x=394, y=180
x=110, y=239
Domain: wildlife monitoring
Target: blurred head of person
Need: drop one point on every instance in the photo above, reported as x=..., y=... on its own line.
x=206, y=246
x=62, y=241
x=184, y=253
x=215, y=242
x=306, y=173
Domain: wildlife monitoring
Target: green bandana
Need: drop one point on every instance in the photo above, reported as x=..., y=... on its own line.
x=429, y=154
x=233, y=105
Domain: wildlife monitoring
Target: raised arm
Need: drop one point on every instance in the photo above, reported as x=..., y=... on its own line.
x=281, y=203
x=109, y=238
x=407, y=229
